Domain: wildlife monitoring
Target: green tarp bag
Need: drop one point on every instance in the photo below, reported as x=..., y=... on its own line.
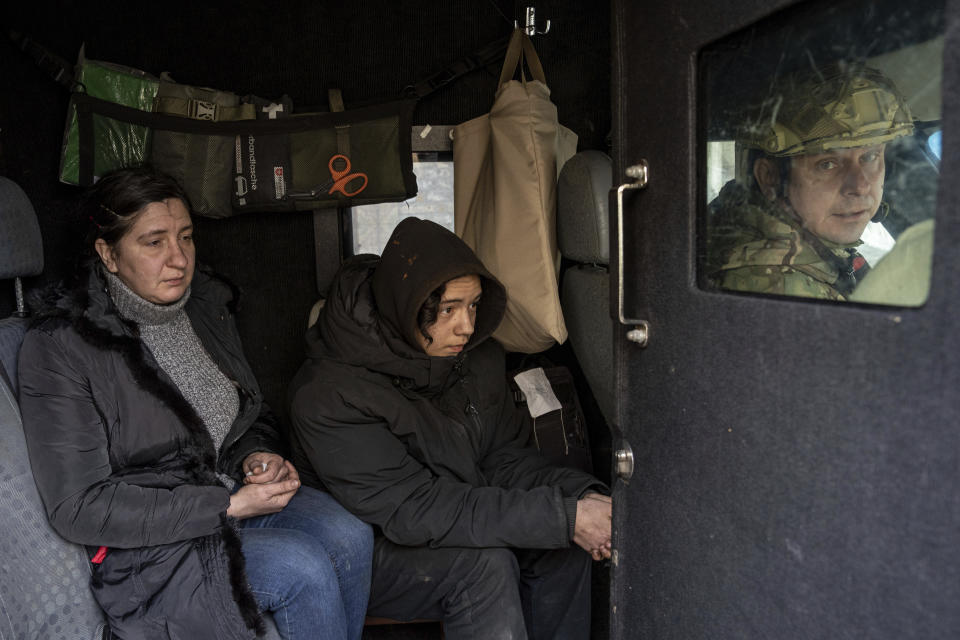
x=118, y=144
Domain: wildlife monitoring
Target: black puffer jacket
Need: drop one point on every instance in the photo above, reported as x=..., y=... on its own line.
x=123, y=461
x=431, y=450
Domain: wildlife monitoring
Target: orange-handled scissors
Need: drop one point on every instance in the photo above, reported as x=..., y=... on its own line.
x=342, y=177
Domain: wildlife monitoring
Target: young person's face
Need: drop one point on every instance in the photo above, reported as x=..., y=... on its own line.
x=155, y=258
x=456, y=317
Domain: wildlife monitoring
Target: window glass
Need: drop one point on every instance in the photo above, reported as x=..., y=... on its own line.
x=821, y=152
x=934, y=143
x=373, y=223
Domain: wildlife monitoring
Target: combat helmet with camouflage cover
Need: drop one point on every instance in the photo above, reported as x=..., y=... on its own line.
x=837, y=107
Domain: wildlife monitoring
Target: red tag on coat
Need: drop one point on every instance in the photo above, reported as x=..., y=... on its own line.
x=99, y=555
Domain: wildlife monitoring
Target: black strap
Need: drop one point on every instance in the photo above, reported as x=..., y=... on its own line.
x=85, y=142
x=326, y=225
x=483, y=57
x=327, y=222
x=847, y=275
x=302, y=122
x=58, y=68
x=87, y=107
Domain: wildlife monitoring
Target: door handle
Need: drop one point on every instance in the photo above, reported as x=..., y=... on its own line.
x=640, y=331
x=624, y=462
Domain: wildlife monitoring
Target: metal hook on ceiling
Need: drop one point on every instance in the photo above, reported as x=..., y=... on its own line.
x=530, y=23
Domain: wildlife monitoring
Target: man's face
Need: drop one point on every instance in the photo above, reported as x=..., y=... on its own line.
x=838, y=192
x=456, y=317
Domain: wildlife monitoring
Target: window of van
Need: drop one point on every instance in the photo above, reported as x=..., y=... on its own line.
x=372, y=224
x=820, y=140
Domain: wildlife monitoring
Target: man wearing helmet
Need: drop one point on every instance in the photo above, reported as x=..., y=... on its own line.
x=810, y=181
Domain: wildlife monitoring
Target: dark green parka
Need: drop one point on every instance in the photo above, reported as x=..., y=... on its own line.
x=429, y=449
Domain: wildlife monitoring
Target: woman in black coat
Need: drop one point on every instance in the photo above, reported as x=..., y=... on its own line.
x=151, y=444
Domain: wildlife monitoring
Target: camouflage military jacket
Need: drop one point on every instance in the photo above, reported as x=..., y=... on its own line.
x=755, y=246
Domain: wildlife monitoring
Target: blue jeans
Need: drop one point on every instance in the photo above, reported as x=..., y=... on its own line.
x=310, y=566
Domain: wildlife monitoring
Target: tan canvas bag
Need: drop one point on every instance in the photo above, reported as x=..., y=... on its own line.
x=506, y=165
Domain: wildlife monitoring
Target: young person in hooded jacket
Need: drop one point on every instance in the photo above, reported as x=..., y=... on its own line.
x=151, y=444
x=402, y=411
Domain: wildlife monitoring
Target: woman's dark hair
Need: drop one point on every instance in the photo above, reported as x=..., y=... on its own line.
x=113, y=204
x=427, y=315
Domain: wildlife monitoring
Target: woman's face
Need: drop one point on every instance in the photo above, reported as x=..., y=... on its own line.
x=155, y=258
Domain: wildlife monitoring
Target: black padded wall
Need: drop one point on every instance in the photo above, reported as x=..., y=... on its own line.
x=369, y=49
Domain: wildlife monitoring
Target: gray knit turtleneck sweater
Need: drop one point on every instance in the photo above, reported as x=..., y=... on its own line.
x=167, y=332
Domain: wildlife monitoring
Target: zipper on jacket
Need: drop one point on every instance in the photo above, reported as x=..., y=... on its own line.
x=471, y=411
x=243, y=397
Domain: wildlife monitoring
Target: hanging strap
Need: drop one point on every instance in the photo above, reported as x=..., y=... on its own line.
x=519, y=50
x=335, y=98
x=59, y=69
x=479, y=59
x=326, y=222
x=203, y=109
x=343, y=131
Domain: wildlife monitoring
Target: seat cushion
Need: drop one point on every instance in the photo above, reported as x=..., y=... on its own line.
x=44, y=592
x=11, y=335
x=586, y=311
x=583, y=225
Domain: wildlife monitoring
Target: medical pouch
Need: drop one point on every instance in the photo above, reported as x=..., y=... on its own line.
x=117, y=143
x=360, y=156
x=300, y=162
x=261, y=171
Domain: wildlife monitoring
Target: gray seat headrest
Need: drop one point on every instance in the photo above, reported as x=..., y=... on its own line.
x=21, y=250
x=583, y=226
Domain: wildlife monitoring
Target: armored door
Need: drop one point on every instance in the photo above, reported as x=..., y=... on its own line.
x=795, y=460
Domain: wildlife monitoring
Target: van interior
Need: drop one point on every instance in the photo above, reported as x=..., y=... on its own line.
x=745, y=502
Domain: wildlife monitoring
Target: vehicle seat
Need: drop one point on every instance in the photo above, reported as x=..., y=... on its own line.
x=44, y=592
x=44, y=580
x=21, y=254
x=583, y=232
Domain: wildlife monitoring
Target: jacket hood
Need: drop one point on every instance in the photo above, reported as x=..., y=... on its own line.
x=419, y=257
x=370, y=315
